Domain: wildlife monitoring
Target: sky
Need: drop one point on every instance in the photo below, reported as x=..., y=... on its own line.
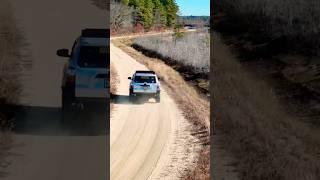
x=194, y=7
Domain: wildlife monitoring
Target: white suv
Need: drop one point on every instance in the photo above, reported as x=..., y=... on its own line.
x=144, y=83
x=86, y=75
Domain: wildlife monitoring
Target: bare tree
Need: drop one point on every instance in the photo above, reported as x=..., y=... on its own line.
x=121, y=16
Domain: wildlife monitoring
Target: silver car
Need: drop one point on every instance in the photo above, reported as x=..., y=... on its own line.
x=144, y=84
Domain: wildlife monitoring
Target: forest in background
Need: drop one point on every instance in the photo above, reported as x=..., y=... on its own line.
x=150, y=15
x=194, y=20
x=140, y=15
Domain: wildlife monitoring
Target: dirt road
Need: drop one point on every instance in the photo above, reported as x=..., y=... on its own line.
x=45, y=147
x=143, y=134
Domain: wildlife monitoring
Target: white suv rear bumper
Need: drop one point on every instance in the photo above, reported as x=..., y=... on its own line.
x=92, y=93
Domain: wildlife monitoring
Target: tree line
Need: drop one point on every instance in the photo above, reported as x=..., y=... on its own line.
x=146, y=13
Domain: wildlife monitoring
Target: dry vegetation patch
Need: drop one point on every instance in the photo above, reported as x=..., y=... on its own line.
x=10, y=42
x=114, y=80
x=191, y=49
x=271, y=26
x=10, y=62
x=195, y=108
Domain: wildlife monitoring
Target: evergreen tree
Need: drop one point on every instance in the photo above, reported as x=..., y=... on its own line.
x=133, y=3
x=147, y=13
x=138, y=5
x=159, y=14
x=125, y=2
x=171, y=9
x=154, y=12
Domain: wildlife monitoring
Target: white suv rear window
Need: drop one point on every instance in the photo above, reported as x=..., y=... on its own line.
x=93, y=57
x=144, y=79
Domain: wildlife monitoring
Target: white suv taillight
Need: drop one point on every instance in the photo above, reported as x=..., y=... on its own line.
x=70, y=79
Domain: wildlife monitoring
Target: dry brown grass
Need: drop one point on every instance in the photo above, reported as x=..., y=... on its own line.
x=268, y=142
x=10, y=42
x=202, y=170
x=113, y=79
x=195, y=108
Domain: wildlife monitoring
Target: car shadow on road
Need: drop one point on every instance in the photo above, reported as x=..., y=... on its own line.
x=125, y=99
x=120, y=99
x=49, y=121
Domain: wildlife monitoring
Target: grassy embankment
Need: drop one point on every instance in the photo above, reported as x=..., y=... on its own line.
x=253, y=97
x=194, y=105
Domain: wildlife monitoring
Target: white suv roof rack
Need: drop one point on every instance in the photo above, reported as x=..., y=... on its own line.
x=146, y=72
x=95, y=33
